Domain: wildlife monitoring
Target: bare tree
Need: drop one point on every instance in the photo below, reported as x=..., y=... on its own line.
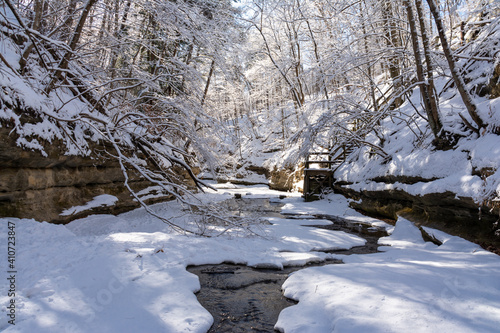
x=428, y=61
x=432, y=118
x=393, y=43
x=455, y=73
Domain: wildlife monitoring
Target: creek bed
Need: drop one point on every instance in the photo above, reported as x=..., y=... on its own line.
x=246, y=299
x=241, y=298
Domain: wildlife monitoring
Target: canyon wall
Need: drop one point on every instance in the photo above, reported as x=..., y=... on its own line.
x=42, y=187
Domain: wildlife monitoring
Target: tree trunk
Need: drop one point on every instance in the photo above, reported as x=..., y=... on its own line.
x=293, y=89
x=68, y=23
x=435, y=127
x=38, y=7
x=210, y=73
x=368, y=66
x=392, y=42
x=457, y=78
x=63, y=64
x=430, y=68
x=295, y=54
x=316, y=52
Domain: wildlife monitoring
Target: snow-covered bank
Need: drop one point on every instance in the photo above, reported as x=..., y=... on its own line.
x=456, y=188
x=127, y=273
x=413, y=286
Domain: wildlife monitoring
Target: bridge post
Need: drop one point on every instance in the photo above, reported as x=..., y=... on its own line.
x=316, y=179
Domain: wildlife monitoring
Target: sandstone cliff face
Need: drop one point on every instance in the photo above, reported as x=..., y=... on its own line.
x=284, y=179
x=39, y=187
x=446, y=211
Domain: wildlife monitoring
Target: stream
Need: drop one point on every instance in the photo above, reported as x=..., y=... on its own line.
x=246, y=299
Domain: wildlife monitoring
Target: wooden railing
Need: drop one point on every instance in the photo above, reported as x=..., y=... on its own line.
x=316, y=180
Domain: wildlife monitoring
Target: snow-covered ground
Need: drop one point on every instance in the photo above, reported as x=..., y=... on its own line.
x=455, y=170
x=412, y=286
x=127, y=273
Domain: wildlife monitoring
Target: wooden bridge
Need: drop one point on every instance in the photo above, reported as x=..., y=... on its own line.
x=320, y=177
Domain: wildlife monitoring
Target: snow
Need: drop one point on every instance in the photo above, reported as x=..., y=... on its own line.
x=412, y=286
x=408, y=155
x=127, y=273
x=98, y=201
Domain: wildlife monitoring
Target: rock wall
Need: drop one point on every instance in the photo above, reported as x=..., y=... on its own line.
x=34, y=186
x=446, y=211
x=284, y=179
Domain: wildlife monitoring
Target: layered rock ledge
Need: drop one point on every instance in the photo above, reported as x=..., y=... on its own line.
x=42, y=187
x=446, y=211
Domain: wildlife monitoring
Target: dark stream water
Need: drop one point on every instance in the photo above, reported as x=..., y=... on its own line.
x=246, y=299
